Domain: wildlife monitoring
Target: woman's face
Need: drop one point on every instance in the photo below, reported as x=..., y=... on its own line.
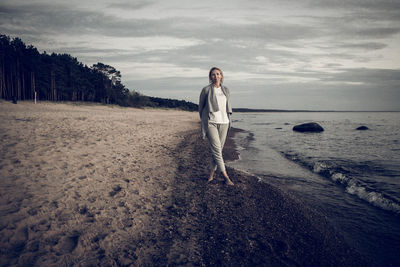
x=216, y=77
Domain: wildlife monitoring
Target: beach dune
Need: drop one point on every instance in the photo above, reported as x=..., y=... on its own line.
x=95, y=185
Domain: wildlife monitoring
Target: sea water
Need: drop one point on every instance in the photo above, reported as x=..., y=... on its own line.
x=352, y=177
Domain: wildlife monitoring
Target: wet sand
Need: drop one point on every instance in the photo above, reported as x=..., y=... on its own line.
x=93, y=185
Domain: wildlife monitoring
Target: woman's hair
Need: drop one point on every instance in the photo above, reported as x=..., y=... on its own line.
x=215, y=68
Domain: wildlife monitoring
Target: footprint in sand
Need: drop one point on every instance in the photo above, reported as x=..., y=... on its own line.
x=83, y=209
x=18, y=240
x=67, y=244
x=116, y=189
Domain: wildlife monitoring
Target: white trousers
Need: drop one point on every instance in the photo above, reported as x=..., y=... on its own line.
x=216, y=134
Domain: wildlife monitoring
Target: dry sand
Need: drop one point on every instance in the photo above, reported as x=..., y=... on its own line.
x=93, y=185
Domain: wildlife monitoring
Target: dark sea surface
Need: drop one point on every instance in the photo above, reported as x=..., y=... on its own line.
x=351, y=176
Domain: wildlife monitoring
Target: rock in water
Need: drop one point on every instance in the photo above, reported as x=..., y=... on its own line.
x=362, y=128
x=308, y=127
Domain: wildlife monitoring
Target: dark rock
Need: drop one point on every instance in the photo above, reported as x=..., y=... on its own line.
x=362, y=128
x=308, y=127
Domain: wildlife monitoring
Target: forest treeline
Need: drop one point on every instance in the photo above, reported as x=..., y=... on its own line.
x=24, y=73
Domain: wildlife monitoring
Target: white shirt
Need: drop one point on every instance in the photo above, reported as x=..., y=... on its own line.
x=220, y=116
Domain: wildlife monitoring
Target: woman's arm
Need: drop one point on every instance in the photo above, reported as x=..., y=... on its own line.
x=202, y=101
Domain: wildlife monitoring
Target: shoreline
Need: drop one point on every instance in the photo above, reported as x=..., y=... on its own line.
x=369, y=225
x=101, y=186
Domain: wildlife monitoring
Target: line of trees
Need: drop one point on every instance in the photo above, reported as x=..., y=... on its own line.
x=25, y=72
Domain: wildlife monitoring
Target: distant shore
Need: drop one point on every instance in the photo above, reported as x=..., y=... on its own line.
x=98, y=185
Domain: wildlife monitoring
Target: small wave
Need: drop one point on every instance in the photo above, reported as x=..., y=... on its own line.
x=319, y=167
x=340, y=178
x=375, y=198
x=354, y=187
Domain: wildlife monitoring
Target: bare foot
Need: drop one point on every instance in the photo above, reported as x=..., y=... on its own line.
x=229, y=182
x=211, y=177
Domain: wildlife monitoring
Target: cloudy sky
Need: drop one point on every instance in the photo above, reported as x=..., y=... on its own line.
x=275, y=54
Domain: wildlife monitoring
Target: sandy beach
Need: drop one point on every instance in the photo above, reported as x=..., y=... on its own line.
x=95, y=185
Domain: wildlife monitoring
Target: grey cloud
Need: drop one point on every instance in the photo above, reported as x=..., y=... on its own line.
x=354, y=28
x=333, y=65
x=373, y=32
x=131, y=5
x=381, y=5
x=57, y=18
x=196, y=28
x=237, y=59
x=213, y=52
x=356, y=19
x=376, y=77
x=61, y=18
x=364, y=45
x=50, y=18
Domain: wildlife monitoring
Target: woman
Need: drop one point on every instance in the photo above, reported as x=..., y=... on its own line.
x=215, y=113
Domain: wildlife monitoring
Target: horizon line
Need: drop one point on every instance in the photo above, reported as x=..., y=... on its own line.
x=304, y=110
